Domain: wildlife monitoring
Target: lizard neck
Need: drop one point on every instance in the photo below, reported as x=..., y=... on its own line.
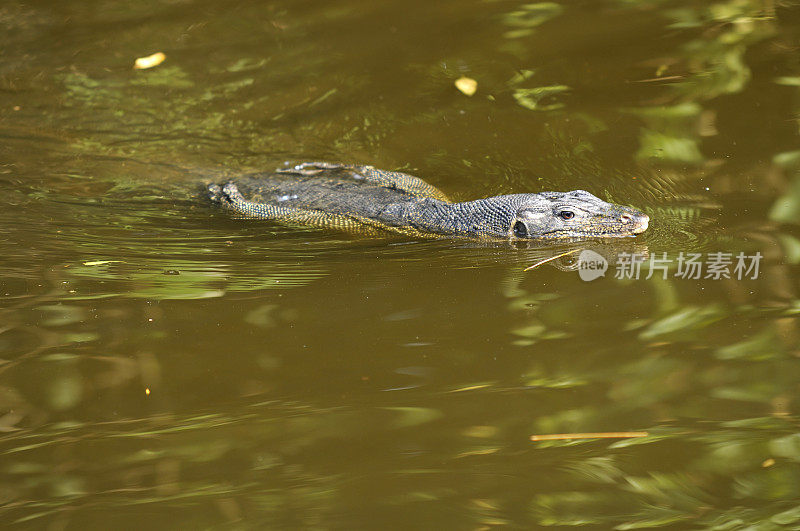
x=484, y=217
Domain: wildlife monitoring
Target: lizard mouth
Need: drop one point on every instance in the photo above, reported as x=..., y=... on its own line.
x=631, y=223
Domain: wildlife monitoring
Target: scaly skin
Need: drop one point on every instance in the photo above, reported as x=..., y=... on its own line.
x=364, y=198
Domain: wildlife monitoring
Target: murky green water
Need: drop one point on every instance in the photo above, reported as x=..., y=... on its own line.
x=165, y=365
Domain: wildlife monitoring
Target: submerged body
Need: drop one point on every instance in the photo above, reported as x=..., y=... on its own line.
x=362, y=197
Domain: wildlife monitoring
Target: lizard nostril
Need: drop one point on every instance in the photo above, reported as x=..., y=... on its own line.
x=626, y=218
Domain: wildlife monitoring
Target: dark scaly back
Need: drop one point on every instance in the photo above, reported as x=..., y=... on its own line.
x=393, y=180
x=332, y=195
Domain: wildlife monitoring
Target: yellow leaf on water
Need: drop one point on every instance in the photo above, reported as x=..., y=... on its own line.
x=150, y=61
x=466, y=85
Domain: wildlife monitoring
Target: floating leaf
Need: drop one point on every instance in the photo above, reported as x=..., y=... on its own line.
x=150, y=61
x=466, y=85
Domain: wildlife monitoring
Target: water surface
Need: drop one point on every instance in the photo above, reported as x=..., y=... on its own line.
x=164, y=364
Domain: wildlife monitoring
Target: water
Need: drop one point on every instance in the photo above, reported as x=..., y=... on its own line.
x=163, y=364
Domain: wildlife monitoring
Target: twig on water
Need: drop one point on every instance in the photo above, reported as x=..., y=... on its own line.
x=596, y=435
x=537, y=264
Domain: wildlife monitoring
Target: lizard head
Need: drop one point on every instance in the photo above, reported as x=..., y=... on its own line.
x=576, y=214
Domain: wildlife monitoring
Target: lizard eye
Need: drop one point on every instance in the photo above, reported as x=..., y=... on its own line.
x=566, y=214
x=520, y=230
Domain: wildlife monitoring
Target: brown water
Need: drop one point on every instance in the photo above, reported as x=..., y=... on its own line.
x=165, y=365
